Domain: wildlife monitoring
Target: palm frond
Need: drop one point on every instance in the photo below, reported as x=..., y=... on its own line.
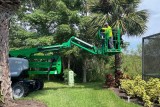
x=122, y=14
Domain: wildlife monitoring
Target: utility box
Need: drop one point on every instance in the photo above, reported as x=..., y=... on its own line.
x=71, y=78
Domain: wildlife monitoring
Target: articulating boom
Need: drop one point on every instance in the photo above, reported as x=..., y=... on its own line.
x=42, y=64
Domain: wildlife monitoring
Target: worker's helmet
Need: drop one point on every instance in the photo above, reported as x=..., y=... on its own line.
x=106, y=23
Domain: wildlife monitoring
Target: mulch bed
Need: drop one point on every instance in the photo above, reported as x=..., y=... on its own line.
x=26, y=103
x=123, y=95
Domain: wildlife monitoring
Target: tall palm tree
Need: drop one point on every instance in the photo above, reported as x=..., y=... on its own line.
x=7, y=8
x=121, y=14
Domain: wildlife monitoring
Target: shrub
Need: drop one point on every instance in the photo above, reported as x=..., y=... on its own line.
x=110, y=81
x=127, y=86
x=65, y=74
x=118, y=76
x=148, y=91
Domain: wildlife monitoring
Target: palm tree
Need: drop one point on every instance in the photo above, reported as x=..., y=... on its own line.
x=121, y=14
x=7, y=8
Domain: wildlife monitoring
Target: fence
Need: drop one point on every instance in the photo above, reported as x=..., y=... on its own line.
x=151, y=56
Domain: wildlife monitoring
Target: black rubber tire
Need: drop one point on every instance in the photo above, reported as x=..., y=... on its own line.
x=39, y=84
x=20, y=89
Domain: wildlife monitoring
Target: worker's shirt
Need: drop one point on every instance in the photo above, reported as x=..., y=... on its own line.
x=107, y=31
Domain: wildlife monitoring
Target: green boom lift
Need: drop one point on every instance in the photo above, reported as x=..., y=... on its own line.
x=52, y=64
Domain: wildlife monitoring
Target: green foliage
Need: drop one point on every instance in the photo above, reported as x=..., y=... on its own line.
x=98, y=67
x=21, y=38
x=132, y=64
x=132, y=61
x=63, y=33
x=66, y=15
x=148, y=91
x=128, y=86
x=18, y=35
x=41, y=20
x=65, y=75
x=41, y=41
x=122, y=14
x=68, y=20
x=95, y=69
x=153, y=88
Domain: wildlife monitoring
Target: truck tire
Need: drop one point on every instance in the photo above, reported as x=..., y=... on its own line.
x=39, y=84
x=20, y=89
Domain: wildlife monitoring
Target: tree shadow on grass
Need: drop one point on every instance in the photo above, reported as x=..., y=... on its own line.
x=92, y=85
x=61, y=85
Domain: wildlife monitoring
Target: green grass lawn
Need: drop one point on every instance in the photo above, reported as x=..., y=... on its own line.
x=82, y=95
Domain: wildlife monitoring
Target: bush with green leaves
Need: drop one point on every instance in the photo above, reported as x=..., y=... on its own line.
x=65, y=74
x=153, y=88
x=127, y=86
x=148, y=91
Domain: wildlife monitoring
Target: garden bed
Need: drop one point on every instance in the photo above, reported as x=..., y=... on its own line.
x=123, y=95
x=136, y=90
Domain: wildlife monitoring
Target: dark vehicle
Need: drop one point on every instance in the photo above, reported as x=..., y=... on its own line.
x=21, y=86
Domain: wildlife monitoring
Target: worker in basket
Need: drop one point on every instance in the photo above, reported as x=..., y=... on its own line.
x=106, y=34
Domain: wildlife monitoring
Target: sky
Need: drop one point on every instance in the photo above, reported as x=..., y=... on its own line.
x=153, y=23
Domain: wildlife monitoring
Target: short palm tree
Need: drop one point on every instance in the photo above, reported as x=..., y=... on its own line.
x=7, y=8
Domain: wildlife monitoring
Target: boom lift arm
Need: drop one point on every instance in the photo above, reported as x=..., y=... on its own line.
x=72, y=41
x=52, y=64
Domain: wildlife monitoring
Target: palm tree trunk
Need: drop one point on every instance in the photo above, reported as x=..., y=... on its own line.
x=6, y=89
x=118, y=72
x=7, y=8
x=118, y=62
